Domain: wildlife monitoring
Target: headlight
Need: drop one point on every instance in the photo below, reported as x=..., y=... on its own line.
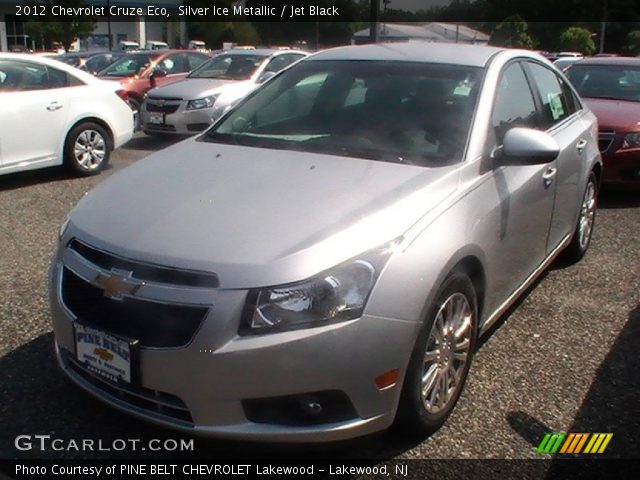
x=200, y=103
x=336, y=295
x=631, y=140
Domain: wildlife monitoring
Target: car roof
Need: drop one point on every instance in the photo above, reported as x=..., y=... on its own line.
x=446, y=53
x=612, y=61
x=51, y=62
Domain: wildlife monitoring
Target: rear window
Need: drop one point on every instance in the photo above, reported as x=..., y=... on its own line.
x=616, y=82
x=127, y=66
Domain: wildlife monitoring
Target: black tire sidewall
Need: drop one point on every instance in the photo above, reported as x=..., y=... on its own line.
x=412, y=416
x=69, y=157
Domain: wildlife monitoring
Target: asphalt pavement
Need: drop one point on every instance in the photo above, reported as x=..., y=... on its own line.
x=564, y=359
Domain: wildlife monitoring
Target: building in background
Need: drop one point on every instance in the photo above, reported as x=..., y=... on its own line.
x=424, y=32
x=139, y=29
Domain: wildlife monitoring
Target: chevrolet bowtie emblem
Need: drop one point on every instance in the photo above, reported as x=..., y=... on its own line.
x=117, y=283
x=103, y=353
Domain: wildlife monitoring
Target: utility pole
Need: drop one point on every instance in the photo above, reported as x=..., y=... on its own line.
x=603, y=26
x=109, y=24
x=374, y=14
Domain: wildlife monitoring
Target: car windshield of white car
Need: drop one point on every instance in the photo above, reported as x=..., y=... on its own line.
x=616, y=82
x=404, y=112
x=127, y=66
x=229, y=67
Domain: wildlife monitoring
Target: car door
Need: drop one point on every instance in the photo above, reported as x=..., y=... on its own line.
x=561, y=119
x=525, y=196
x=34, y=101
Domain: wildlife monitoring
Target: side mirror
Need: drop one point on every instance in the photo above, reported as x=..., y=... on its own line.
x=526, y=146
x=265, y=76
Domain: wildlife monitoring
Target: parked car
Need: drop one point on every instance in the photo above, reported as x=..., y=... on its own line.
x=140, y=71
x=128, y=45
x=52, y=113
x=190, y=105
x=156, y=45
x=322, y=260
x=565, y=62
x=610, y=87
x=92, y=62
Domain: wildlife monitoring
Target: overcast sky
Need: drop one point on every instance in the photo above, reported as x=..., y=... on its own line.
x=413, y=5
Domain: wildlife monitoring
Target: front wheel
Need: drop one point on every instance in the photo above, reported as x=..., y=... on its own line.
x=441, y=358
x=87, y=149
x=586, y=220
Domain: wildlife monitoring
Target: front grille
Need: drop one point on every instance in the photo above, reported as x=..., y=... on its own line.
x=155, y=402
x=163, y=107
x=605, y=139
x=142, y=271
x=153, y=324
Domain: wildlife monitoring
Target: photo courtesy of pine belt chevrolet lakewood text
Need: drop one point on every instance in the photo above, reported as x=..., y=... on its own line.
x=321, y=261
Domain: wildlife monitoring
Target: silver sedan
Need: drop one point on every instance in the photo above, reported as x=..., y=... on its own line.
x=321, y=262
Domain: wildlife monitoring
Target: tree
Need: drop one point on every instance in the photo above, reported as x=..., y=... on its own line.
x=512, y=32
x=577, y=39
x=632, y=46
x=51, y=30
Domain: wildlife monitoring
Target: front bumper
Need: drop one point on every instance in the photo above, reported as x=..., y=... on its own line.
x=203, y=387
x=174, y=117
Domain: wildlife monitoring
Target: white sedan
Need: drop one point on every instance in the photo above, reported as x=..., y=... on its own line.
x=53, y=114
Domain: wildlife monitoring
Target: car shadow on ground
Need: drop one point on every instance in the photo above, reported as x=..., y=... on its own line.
x=153, y=142
x=612, y=404
x=609, y=198
x=14, y=181
x=36, y=398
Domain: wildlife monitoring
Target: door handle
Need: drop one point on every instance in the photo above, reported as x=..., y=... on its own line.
x=53, y=106
x=547, y=176
x=580, y=146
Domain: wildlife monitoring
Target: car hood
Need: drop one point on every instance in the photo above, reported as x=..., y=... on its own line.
x=255, y=217
x=189, y=88
x=619, y=115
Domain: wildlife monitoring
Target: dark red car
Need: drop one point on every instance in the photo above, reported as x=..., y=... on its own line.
x=610, y=86
x=140, y=71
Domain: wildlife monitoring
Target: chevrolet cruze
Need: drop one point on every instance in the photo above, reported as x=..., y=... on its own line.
x=320, y=263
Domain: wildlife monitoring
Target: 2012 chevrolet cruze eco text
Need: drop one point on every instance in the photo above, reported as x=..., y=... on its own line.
x=321, y=261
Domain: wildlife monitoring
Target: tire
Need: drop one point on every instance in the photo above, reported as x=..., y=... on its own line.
x=419, y=414
x=586, y=221
x=87, y=149
x=135, y=108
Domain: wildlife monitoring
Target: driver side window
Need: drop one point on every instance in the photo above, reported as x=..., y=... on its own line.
x=514, y=105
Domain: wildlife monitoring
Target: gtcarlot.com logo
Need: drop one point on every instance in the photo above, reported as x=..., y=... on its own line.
x=573, y=443
x=46, y=442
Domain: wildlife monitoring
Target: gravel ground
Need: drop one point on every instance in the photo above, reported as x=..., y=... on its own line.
x=564, y=359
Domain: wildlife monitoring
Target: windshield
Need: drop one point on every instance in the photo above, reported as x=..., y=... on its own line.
x=229, y=67
x=127, y=66
x=617, y=82
x=391, y=111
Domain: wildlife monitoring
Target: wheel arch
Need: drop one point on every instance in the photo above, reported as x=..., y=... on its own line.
x=91, y=119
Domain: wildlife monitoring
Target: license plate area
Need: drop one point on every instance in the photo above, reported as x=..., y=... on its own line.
x=156, y=118
x=108, y=356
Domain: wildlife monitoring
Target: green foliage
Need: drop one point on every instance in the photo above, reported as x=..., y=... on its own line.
x=577, y=39
x=632, y=45
x=52, y=30
x=512, y=32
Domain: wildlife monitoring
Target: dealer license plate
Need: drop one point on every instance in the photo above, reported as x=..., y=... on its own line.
x=103, y=354
x=156, y=118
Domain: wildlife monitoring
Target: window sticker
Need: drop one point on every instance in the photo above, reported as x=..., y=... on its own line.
x=555, y=104
x=462, y=90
